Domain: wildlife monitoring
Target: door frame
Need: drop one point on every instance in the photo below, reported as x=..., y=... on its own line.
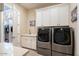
x=2, y=27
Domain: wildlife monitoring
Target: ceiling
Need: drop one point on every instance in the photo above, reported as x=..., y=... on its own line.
x=36, y=5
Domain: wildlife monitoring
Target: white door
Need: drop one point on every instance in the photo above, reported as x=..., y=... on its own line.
x=53, y=16
x=26, y=42
x=16, y=28
x=33, y=42
x=63, y=15
x=45, y=17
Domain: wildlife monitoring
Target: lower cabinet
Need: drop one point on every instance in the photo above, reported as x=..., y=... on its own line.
x=28, y=42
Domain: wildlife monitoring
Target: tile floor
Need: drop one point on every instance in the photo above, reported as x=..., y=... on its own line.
x=7, y=49
x=32, y=53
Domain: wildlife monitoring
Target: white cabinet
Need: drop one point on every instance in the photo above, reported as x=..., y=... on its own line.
x=25, y=42
x=33, y=42
x=63, y=15
x=28, y=42
x=59, y=15
x=42, y=17
x=45, y=17
x=53, y=16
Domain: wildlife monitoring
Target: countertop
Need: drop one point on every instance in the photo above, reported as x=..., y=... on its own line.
x=29, y=35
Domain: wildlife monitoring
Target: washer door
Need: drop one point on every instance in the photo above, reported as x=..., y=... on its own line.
x=62, y=36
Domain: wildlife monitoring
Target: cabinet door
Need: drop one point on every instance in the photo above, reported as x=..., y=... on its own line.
x=63, y=15
x=54, y=16
x=33, y=42
x=38, y=17
x=26, y=42
x=45, y=17
x=29, y=42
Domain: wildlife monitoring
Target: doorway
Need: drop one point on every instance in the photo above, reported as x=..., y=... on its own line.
x=10, y=24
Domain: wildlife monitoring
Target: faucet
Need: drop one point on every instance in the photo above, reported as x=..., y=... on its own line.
x=29, y=31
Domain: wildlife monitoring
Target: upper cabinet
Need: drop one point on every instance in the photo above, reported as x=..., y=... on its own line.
x=42, y=17
x=63, y=15
x=53, y=16
x=45, y=17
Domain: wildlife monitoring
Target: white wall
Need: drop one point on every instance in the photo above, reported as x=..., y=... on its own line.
x=31, y=16
x=77, y=37
x=73, y=24
x=23, y=18
x=0, y=26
